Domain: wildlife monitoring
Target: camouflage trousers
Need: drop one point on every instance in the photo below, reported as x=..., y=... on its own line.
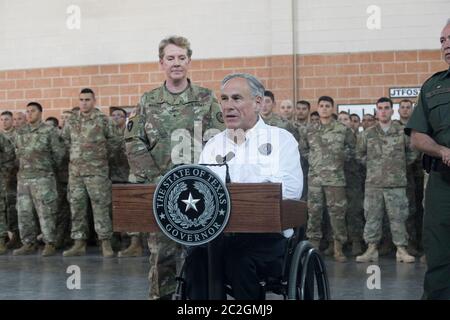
x=355, y=214
x=395, y=202
x=166, y=258
x=3, y=226
x=11, y=210
x=97, y=190
x=63, y=214
x=335, y=200
x=37, y=195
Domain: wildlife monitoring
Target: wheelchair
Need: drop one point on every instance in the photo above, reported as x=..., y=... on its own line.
x=303, y=276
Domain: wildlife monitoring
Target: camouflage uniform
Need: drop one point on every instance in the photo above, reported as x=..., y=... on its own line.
x=11, y=190
x=277, y=121
x=40, y=151
x=93, y=139
x=63, y=214
x=386, y=156
x=328, y=146
x=149, y=149
x=354, y=176
x=301, y=132
x=119, y=168
x=6, y=165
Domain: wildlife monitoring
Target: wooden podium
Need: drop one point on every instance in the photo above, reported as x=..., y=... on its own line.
x=255, y=207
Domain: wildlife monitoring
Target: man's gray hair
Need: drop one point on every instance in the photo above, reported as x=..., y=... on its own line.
x=448, y=22
x=256, y=87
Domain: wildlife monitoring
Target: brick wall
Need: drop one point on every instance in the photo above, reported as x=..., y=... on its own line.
x=349, y=78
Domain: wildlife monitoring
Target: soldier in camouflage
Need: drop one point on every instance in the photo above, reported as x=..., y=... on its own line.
x=328, y=145
x=301, y=115
x=40, y=151
x=287, y=110
x=384, y=148
x=6, y=119
x=19, y=120
x=166, y=115
x=273, y=119
x=63, y=216
x=354, y=192
x=6, y=165
x=93, y=139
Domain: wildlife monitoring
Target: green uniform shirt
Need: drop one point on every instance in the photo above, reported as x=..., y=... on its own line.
x=386, y=156
x=40, y=150
x=170, y=128
x=328, y=146
x=93, y=139
x=431, y=116
x=277, y=121
x=6, y=156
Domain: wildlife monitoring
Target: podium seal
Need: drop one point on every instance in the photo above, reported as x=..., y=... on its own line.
x=191, y=205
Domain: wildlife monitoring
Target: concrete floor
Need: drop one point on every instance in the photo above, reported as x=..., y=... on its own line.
x=33, y=277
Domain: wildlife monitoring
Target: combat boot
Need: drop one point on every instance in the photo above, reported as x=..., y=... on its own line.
x=403, y=256
x=339, y=255
x=134, y=250
x=14, y=242
x=49, y=250
x=2, y=246
x=27, y=248
x=78, y=249
x=371, y=254
x=315, y=243
x=356, y=248
x=107, y=251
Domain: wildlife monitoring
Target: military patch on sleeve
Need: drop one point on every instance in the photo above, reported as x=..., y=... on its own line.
x=130, y=125
x=265, y=149
x=219, y=117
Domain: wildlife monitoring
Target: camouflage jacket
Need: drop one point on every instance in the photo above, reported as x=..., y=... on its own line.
x=92, y=140
x=40, y=150
x=277, y=121
x=160, y=134
x=119, y=168
x=386, y=156
x=327, y=147
x=7, y=156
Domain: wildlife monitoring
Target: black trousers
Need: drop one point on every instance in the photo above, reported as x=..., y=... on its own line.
x=247, y=258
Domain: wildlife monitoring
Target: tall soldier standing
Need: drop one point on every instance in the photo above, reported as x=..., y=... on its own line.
x=165, y=115
x=40, y=151
x=430, y=133
x=92, y=139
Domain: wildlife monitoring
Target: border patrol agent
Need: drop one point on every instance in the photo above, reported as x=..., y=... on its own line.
x=429, y=127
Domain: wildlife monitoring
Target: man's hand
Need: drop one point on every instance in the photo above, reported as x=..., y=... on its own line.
x=445, y=155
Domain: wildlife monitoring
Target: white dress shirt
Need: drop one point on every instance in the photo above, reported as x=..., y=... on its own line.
x=268, y=154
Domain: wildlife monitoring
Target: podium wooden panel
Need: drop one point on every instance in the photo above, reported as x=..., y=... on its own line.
x=255, y=207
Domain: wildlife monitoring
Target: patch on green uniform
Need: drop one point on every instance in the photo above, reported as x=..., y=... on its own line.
x=219, y=117
x=130, y=125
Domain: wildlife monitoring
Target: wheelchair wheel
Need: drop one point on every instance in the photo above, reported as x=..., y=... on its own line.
x=307, y=271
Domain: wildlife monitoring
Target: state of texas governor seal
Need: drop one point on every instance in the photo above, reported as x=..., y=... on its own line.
x=191, y=205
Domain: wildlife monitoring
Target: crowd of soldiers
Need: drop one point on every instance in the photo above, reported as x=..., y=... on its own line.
x=364, y=188
x=354, y=179
x=363, y=182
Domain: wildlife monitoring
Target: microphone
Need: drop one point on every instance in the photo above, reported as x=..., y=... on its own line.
x=222, y=161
